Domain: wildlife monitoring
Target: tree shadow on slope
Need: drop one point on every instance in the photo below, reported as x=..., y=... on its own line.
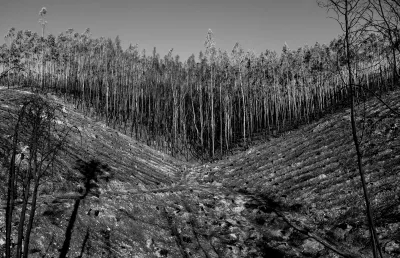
x=90, y=173
x=288, y=224
x=268, y=203
x=208, y=227
x=85, y=244
x=51, y=242
x=266, y=212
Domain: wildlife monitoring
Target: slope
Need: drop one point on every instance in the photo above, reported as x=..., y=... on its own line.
x=295, y=196
x=311, y=175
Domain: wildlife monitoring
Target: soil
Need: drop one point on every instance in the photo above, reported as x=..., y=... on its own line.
x=298, y=195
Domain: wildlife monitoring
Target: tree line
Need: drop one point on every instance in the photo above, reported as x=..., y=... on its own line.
x=201, y=109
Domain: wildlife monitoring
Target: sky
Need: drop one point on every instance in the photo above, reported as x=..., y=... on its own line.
x=257, y=25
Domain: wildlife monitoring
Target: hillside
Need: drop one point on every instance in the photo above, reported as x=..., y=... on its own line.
x=295, y=196
x=311, y=174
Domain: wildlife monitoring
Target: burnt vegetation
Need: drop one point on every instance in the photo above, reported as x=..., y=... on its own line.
x=203, y=111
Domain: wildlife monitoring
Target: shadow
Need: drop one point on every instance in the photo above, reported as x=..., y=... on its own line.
x=49, y=246
x=268, y=252
x=90, y=173
x=54, y=213
x=85, y=240
x=106, y=233
x=175, y=233
x=194, y=225
x=268, y=204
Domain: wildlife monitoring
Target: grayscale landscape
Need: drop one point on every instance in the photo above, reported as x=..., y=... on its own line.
x=107, y=150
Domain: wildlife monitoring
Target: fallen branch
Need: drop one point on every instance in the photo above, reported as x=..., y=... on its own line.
x=302, y=229
x=48, y=199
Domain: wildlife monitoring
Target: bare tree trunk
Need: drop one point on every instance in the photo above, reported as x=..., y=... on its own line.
x=212, y=114
x=23, y=211
x=11, y=186
x=374, y=238
x=31, y=217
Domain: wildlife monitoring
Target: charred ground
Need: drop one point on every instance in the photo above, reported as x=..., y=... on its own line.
x=297, y=195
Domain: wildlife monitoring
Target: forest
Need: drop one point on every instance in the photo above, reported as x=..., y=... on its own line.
x=203, y=107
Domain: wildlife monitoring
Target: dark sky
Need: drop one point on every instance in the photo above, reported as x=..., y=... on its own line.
x=180, y=24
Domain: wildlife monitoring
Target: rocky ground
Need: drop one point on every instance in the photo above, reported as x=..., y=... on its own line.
x=298, y=195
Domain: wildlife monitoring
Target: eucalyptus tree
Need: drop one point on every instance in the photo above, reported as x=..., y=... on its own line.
x=9, y=38
x=3, y=60
x=224, y=100
x=27, y=46
x=201, y=78
x=220, y=100
x=132, y=58
x=172, y=84
x=36, y=126
x=250, y=79
x=61, y=42
x=194, y=132
x=237, y=57
x=17, y=49
x=350, y=15
x=384, y=18
x=43, y=23
x=211, y=56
